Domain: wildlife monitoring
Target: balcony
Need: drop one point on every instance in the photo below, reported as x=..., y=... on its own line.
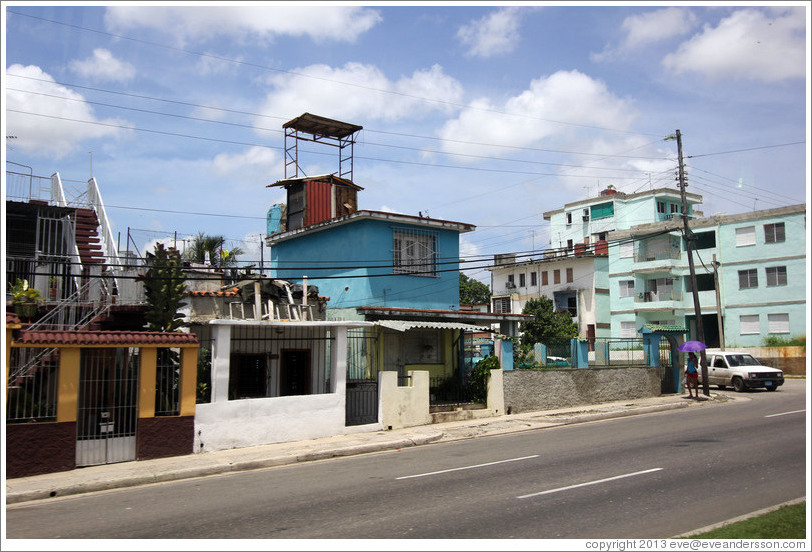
x=657, y=296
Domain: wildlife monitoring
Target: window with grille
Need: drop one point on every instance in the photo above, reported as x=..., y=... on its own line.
x=745, y=236
x=533, y=279
x=501, y=305
x=748, y=279
x=776, y=275
x=415, y=252
x=778, y=323
x=749, y=324
x=774, y=233
x=521, y=280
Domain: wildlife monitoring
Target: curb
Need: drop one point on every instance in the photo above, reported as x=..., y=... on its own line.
x=701, y=530
x=149, y=478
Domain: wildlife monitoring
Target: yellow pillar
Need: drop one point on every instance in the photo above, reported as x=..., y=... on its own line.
x=188, y=381
x=67, y=402
x=149, y=371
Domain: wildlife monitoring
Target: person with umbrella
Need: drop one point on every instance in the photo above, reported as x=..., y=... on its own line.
x=692, y=376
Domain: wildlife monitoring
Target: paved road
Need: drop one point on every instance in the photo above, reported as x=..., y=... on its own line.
x=655, y=475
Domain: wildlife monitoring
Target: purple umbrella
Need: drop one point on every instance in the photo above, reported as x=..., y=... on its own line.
x=692, y=346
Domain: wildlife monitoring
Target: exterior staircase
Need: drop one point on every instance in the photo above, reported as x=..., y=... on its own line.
x=87, y=238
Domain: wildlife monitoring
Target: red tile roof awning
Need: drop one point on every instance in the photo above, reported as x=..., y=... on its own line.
x=59, y=337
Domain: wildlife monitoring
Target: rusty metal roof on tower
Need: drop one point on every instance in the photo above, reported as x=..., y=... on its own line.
x=322, y=126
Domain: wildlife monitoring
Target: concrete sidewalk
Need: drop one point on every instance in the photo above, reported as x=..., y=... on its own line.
x=129, y=474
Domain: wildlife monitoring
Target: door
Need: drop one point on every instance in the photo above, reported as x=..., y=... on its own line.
x=393, y=353
x=718, y=371
x=294, y=372
x=107, y=406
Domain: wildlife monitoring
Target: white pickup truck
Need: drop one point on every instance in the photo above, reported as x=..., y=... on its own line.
x=740, y=370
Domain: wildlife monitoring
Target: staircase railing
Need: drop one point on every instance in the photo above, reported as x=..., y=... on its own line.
x=74, y=313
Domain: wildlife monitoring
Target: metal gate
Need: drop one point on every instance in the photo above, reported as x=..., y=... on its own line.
x=108, y=406
x=362, y=402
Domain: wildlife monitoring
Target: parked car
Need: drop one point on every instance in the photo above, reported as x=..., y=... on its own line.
x=740, y=370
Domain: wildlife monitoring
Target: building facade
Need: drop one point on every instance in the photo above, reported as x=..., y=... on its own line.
x=750, y=276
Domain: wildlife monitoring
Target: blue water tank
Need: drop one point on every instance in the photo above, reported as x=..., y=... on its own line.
x=275, y=222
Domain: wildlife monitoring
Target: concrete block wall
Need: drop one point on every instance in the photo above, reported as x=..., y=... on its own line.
x=534, y=390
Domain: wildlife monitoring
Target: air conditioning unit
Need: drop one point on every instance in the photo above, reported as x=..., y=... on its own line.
x=510, y=285
x=586, y=214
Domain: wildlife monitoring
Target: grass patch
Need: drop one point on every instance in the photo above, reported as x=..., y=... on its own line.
x=788, y=522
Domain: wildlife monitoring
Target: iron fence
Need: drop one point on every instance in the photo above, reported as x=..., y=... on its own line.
x=32, y=392
x=449, y=390
x=167, y=382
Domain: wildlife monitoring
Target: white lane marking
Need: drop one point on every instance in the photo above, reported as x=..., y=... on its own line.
x=785, y=413
x=590, y=483
x=469, y=467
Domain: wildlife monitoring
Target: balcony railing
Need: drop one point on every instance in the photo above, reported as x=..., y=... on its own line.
x=657, y=296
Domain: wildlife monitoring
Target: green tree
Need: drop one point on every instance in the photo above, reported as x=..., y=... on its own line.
x=473, y=292
x=213, y=245
x=165, y=288
x=548, y=325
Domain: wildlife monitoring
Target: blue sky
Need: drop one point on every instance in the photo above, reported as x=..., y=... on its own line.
x=486, y=114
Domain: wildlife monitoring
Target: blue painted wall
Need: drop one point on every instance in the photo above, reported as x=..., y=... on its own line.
x=346, y=254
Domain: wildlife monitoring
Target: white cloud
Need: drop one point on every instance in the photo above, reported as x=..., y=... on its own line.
x=496, y=33
x=320, y=23
x=326, y=91
x=648, y=28
x=48, y=125
x=533, y=116
x=255, y=165
x=103, y=67
x=748, y=44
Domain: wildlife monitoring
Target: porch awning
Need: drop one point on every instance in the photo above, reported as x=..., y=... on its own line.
x=403, y=325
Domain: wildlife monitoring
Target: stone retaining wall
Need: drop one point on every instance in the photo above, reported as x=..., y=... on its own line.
x=534, y=390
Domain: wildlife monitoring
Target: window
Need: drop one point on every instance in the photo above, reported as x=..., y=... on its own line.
x=776, y=275
x=544, y=281
x=534, y=281
x=569, y=218
x=511, y=283
x=522, y=280
x=414, y=252
x=569, y=275
x=422, y=347
x=501, y=305
x=704, y=240
x=778, y=323
x=627, y=329
x=627, y=288
x=749, y=324
x=247, y=376
x=661, y=207
x=745, y=236
x=627, y=250
x=674, y=208
x=748, y=279
x=569, y=245
x=774, y=233
x=556, y=276
x=572, y=306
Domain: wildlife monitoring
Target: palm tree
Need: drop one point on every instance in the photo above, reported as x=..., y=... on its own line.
x=213, y=245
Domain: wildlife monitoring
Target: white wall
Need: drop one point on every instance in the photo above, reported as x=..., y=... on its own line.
x=403, y=406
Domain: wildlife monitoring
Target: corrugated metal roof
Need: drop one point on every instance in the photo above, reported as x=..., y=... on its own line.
x=403, y=325
x=665, y=328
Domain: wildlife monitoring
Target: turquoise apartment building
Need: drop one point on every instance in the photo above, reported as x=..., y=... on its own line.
x=760, y=261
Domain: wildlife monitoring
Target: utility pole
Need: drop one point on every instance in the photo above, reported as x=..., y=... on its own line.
x=718, y=304
x=688, y=236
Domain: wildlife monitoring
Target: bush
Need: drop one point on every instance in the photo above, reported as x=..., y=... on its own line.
x=479, y=377
x=777, y=341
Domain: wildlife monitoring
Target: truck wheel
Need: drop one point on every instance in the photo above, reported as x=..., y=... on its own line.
x=722, y=387
x=738, y=385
